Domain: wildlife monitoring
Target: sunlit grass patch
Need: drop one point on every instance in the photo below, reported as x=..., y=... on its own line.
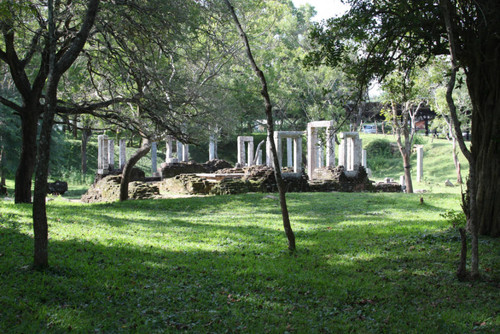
x=365, y=263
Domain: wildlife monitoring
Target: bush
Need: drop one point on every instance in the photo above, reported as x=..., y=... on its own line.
x=379, y=148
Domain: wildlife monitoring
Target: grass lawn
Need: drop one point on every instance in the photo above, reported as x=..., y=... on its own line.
x=366, y=263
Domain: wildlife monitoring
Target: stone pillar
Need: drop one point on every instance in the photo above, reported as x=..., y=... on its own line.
x=343, y=151
x=279, y=148
x=169, y=148
x=169, y=153
x=312, y=149
x=269, y=153
x=297, y=163
x=241, y=151
x=250, y=153
x=321, y=155
x=357, y=150
x=259, y=157
x=154, y=167
x=420, y=163
x=123, y=153
x=185, y=152
x=363, y=159
x=111, y=154
x=212, y=148
x=330, y=148
x=102, y=155
x=289, y=152
x=180, y=151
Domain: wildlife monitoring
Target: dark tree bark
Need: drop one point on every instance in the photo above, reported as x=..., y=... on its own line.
x=127, y=169
x=56, y=70
x=270, y=131
x=27, y=161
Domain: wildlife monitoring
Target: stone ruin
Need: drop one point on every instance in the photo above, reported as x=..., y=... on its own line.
x=179, y=175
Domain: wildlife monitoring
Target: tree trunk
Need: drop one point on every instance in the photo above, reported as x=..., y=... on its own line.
x=484, y=90
x=24, y=173
x=456, y=162
x=40, y=226
x=270, y=131
x=407, y=171
x=127, y=169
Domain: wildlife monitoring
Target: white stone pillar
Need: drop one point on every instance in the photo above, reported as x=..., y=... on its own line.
x=297, y=161
x=312, y=146
x=259, y=157
x=250, y=153
x=185, y=152
x=279, y=148
x=343, y=151
x=212, y=148
x=241, y=151
x=321, y=155
x=102, y=155
x=420, y=163
x=180, y=151
x=169, y=149
x=154, y=167
x=269, y=154
x=363, y=159
x=111, y=154
x=123, y=153
x=289, y=152
x=330, y=148
x=357, y=149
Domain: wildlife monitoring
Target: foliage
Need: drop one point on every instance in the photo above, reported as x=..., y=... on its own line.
x=9, y=141
x=380, y=148
x=456, y=218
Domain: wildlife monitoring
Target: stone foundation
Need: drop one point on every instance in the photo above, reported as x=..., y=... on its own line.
x=108, y=190
x=234, y=181
x=169, y=170
x=337, y=179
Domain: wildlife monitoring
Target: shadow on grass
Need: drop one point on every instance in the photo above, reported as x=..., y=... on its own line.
x=361, y=278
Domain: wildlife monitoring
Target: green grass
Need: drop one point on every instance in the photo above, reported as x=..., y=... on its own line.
x=366, y=263
x=438, y=163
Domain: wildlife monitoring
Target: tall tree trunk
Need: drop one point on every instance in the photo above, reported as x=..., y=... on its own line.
x=40, y=226
x=484, y=88
x=407, y=171
x=127, y=169
x=24, y=172
x=270, y=131
x=56, y=70
x=458, y=169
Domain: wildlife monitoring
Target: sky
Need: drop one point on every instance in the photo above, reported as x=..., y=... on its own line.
x=324, y=8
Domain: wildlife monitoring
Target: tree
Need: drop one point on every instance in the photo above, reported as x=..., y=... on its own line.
x=25, y=51
x=58, y=65
x=270, y=129
x=389, y=33
x=402, y=94
x=438, y=76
